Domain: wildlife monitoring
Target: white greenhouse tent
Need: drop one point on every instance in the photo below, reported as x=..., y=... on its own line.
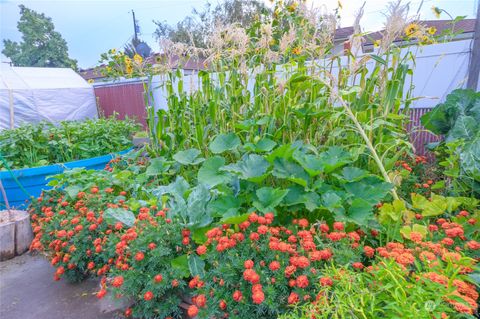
x=31, y=95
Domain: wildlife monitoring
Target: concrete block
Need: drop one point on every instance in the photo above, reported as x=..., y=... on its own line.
x=23, y=232
x=7, y=240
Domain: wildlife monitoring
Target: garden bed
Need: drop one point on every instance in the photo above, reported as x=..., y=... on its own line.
x=22, y=184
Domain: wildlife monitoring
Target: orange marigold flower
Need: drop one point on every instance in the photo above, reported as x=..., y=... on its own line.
x=473, y=245
x=192, y=311
x=222, y=304
x=293, y=298
x=302, y=281
x=302, y=223
x=358, y=265
x=101, y=293
x=274, y=265
x=117, y=281
x=201, y=301
x=338, y=226
x=139, y=256
x=369, y=251
x=326, y=281
x=416, y=237
x=248, y=264
x=258, y=297
x=237, y=295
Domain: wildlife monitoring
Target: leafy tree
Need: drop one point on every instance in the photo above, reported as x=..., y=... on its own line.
x=41, y=45
x=130, y=49
x=193, y=29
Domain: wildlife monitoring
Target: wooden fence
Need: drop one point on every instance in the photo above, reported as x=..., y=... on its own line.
x=124, y=99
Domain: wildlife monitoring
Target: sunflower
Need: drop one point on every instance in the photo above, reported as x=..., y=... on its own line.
x=129, y=69
x=297, y=50
x=425, y=40
x=432, y=30
x=292, y=7
x=377, y=43
x=138, y=58
x=412, y=30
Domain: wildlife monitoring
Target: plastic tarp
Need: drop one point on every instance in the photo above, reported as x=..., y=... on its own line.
x=43, y=94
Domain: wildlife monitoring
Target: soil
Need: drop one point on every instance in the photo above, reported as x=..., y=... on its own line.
x=28, y=291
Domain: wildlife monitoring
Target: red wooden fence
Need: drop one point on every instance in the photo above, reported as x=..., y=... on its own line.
x=418, y=135
x=127, y=99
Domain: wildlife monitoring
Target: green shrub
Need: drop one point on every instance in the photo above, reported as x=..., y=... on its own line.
x=33, y=145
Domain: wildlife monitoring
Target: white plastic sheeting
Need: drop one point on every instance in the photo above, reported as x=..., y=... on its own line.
x=43, y=94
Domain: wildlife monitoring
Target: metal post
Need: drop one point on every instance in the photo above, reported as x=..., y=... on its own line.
x=474, y=65
x=134, y=26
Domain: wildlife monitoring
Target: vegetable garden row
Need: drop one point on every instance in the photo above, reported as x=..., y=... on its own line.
x=303, y=199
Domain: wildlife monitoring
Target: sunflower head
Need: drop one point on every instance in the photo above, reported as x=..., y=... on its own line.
x=129, y=69
x=138, y=58
x=432, y=30
x=297, y=50
x=412, y=30
x=292, y=7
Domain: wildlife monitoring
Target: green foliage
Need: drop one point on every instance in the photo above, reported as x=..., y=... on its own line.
x=265, y=85
x=188, y=157
x=384, y=292
x=41, y=144
x=453, y=118
x=295, y=178
x=41, y=45
x=224, y=142
x=194, y=27
x=457, y=119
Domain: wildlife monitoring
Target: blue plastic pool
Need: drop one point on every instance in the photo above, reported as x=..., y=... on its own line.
x=34, y=180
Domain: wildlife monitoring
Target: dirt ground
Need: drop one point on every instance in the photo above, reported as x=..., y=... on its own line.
x=28, y=291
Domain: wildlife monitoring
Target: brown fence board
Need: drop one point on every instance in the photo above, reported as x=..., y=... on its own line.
x=125, y=99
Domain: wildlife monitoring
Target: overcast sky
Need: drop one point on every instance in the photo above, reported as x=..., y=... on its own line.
x=92, y=27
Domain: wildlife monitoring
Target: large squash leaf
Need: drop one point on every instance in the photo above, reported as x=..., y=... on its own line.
x=224, y=142
x=268, y=198
x=211, y=174
x=252, y=167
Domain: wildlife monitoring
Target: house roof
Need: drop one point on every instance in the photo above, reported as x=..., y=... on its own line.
x=343, y=33
x=92, y=73
x=191, y=64
x=463, y=26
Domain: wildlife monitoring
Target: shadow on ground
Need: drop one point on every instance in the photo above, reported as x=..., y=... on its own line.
x=27, y=291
